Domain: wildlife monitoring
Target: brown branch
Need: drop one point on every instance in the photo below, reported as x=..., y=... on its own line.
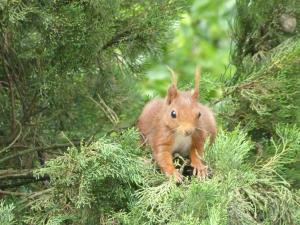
x=12, y=85
x=117, y=39
x=2, y=83
x=13, y=174
x=34, y=195
x=30, y=108
x=14, y=178
x=5, y=50
x=14, y=141
x=12, y=102
x=13, y=67
x=30, y=114
x=13, y=106
x=30, y=150
x=4, y=185
x=14, y=193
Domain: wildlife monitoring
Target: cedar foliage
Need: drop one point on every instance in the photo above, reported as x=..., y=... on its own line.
x=103, y=182
x=58, y=55
x=267, y=55
x=264, y=91
x=238, y=193
x=65, y=74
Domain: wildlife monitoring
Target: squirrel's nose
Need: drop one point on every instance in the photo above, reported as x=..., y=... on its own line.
x=188, y=132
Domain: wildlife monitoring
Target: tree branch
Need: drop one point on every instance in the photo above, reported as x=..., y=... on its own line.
x=14, y=141
x=13, y=174
x=13, y=106
x=14, y=193
x=30, y=150
x=23, y=182
x=116, y=39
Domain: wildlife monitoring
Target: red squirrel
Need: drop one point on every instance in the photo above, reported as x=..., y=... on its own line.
x=178, y=124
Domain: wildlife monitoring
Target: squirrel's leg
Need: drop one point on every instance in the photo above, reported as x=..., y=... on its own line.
x=200, y=170
x=163, y=157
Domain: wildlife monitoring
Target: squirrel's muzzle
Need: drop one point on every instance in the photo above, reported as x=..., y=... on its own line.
x=188, y=132
x=186, y=129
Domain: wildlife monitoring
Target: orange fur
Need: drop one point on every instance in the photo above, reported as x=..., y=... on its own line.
x=185, y=134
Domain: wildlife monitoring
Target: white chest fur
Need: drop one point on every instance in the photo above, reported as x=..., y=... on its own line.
x=182, y=144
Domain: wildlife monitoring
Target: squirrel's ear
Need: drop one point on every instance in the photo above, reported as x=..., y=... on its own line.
x=172, y=93
x=197, y=80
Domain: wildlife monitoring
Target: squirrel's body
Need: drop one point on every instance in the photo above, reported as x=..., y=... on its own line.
x=177, y=124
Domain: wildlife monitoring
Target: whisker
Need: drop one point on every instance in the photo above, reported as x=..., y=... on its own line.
x=171, y=133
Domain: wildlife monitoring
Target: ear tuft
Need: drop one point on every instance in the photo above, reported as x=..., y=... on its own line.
x=172, y=93
x=174, y=80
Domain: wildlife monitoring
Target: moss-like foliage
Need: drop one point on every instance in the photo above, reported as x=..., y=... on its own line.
x=268, y=93
x=238, y=193
x=6, y=214
x=68, y=72
x=264, y=90
x=114, y=182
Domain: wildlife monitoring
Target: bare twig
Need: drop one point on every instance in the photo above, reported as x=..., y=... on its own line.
x=111, y=115
x=30, y=150
x=14, y=193
x=124, y=36
x=12, y=100
x=4, y=185
x=14, y=174
x=14, y=141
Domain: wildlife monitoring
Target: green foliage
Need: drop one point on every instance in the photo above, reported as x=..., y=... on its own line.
x=6, y=214
x=264, y=90
x=260, y=26
x=202, y=38
x=265, y=86
x=238, y=193
x=110, y=181
x=225, y=160
x=286, y=142
x=114, y=182
x=59, y=54
x=269, y=93
x=71, y=70
x=88, y=182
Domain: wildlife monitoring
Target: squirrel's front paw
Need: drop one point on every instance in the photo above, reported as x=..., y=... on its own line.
x=175, y=175
x=200, y=170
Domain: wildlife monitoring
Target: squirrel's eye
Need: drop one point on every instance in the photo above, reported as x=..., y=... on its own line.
x=199, y=114
x=173, y=114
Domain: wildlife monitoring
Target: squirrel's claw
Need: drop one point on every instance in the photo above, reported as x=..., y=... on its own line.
x=200, y=170
x=176, y=175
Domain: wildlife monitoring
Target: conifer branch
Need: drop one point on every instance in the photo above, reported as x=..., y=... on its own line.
x=13, y=174
x=30, y=150
x=123, y=36
x=18, y=183
x=14, y=193
x=15, y=139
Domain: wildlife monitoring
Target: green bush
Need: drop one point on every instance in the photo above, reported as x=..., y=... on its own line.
x=238, y=193
x=70, y=76
x=6, y=214
x=114, y=182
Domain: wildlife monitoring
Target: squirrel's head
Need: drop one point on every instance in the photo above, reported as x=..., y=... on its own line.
x=182, y=114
